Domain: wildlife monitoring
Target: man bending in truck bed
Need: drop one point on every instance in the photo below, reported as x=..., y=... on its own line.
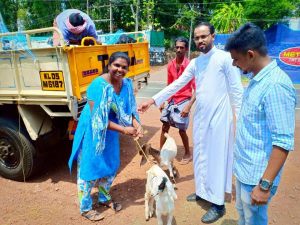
x=74, y=26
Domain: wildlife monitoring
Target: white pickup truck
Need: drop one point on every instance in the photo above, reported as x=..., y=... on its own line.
x=43, y=89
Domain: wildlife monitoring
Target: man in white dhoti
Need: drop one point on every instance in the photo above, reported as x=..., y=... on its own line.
x=217, y=82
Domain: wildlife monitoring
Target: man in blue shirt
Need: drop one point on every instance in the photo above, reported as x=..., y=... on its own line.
x=74, y=26
x=265, y=127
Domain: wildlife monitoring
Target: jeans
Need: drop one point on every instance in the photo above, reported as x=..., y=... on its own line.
x=251, y=214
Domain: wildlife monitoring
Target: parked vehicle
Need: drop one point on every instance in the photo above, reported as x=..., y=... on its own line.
x=42, y=90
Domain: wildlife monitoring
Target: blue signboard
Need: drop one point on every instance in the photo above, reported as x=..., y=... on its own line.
x=283, y=45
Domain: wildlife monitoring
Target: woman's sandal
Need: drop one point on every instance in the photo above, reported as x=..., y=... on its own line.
x=93, y=215
x=116, y=206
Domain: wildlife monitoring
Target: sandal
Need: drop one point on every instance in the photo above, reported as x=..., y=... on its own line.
x=93, y=215
x=185, y=161
x=116, y=206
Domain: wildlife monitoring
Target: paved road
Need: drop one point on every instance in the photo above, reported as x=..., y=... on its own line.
x=298, y=98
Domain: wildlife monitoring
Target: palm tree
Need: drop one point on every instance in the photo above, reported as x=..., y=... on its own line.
x=228, y=18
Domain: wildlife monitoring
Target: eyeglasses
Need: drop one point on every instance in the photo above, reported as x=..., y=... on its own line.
x=201, y=37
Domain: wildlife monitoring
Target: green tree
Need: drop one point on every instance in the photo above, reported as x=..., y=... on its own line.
x=228, y=18
x=9, y=11
x=265, y=13
x=148, y=21
x=41, y=14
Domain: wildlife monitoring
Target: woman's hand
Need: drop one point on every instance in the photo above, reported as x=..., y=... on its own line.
x=139, y=131
x=131, y=131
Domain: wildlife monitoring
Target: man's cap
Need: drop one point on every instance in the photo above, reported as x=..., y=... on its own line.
x=76, y=19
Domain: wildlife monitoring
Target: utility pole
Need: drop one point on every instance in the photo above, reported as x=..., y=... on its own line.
x=137, y=16
x=148, y=19
x=87, y=7
x=110, y=17
x=191, y=31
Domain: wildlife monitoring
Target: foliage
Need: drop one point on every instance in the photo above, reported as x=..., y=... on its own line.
x=187, y=14
x=265, y=13
x=8, y=9
x=297, y=8
x=40, y=13
x=147, y=16
x=228, y=18
x=123, y=17
x=172, y=16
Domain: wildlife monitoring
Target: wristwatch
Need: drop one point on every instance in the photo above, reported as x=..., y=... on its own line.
x=265, y=185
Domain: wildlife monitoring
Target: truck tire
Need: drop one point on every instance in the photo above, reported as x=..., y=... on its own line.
x=16, y=153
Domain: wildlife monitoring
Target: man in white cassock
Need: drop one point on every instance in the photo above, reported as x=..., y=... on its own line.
x=218, y=84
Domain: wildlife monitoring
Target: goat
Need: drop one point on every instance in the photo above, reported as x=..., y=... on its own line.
x=160, y=189
x=164, y=157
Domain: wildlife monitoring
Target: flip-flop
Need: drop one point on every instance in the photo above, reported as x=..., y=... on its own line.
x=116, y=206
x=185, y=161
x=93, y=215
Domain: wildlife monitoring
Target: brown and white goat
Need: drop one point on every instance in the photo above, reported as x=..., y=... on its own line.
x=160, y=189
x=164, y=157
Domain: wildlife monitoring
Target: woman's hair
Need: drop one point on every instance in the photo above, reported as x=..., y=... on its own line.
x=247, y=37
x=117, y=55
x=114, y=57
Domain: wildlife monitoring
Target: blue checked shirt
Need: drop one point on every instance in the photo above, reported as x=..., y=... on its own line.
x=267, y=118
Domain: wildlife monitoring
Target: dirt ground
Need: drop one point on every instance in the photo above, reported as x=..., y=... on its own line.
x=50, y=196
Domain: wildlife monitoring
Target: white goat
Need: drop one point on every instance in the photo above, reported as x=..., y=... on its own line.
x=160, y=189
x=164, y=157
x=168, y=153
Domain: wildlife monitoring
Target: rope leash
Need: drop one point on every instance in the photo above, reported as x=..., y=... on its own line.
x=139, y=146
x=148, y=161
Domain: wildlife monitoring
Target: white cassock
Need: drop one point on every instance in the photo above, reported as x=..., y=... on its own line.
x=217, y=82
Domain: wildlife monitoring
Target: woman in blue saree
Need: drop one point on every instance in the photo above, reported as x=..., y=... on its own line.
x=111, y=109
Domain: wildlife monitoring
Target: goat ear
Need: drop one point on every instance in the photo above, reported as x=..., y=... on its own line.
x=143, y=161
x=155, y=151
x=147, y=148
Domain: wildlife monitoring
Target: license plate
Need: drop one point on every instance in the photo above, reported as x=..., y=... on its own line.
x=52, y=80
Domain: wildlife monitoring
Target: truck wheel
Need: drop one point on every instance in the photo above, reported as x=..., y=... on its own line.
x=16, y=154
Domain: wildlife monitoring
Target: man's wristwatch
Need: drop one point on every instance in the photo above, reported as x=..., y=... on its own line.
x=265, y=185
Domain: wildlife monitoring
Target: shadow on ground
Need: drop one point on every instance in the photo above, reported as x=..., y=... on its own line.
x=54, y=164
